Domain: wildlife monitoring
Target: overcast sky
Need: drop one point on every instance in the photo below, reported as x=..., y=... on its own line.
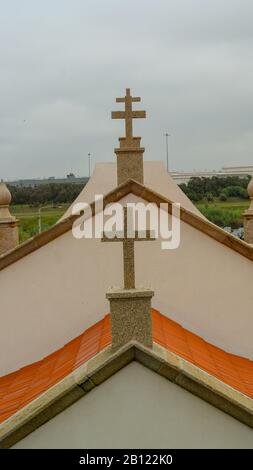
x=63, y=62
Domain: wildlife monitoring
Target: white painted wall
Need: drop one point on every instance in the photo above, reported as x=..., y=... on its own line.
x=137, y=408
x=54, y=294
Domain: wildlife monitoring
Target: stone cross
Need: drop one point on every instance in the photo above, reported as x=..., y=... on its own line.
x=128, y=114
x=128, y=251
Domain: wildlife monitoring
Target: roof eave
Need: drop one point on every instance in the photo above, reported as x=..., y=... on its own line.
x=104, y=365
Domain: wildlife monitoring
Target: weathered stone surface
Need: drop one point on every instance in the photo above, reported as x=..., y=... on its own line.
x=129, y=165
x=8, y=224
x=130, y=316
x=8, y=236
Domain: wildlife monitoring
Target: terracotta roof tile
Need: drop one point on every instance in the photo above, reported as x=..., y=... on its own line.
x=23, y=386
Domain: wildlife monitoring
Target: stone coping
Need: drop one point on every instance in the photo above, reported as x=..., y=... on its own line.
x=104, y=365
x=129, y=293
x=129, y=150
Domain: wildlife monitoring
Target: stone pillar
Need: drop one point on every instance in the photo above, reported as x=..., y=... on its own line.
x=8, y=224
x=130, y=316
x=129, y=160
x=248, y=216
x=130, y=153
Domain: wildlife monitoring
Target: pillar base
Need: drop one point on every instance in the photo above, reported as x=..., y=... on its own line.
x=129, y=165
x=130, y=316
x=9, y=237
x=129, y=160
x=248, y=226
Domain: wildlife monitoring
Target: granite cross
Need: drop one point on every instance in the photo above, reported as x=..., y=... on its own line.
x=128, y=250
x=128, y=114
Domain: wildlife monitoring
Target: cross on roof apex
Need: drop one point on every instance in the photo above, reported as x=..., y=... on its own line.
x=128, y=115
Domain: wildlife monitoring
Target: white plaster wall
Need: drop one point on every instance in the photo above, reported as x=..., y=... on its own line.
x=137, y=408
x=203, y=285
x=54, y=294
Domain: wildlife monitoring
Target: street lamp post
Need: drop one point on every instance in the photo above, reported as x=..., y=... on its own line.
x=40, y=216
x=89, y=159
x=167, y=149
x=40, y=224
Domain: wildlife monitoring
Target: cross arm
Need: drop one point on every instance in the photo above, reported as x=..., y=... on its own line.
x=118, y=115
x=122, y=114
x=138, y=114
x=134, y=99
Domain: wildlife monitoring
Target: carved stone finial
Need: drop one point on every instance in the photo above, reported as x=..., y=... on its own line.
x=8, y=223
x=248, y=216
x=250, y=188
x=5, y=195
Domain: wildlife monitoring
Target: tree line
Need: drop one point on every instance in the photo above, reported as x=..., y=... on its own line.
x=223, y=188
x=52, y=193
x=198, y=189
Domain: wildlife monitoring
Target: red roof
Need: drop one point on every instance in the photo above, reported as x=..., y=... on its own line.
x=23, y=386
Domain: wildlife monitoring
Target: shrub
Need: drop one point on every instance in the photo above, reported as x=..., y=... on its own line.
x=235, y=191
x=209, y=197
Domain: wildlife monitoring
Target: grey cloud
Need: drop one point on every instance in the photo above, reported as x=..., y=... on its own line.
x=63, y=63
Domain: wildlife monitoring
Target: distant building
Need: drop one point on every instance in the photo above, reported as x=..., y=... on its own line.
x=185, y=176
x=178, y=176
x=37, y=182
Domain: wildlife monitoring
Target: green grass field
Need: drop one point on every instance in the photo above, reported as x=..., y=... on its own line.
x=29, y=218
x=224, y=214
